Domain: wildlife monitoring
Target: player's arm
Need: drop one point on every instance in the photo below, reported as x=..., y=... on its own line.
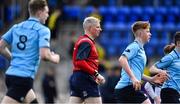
x=149, y=89
x=47, y=55
x=82, y=56
x=4, y=50
x=44, y=44
x=157, y=79
x=124, y=64
x=162, y=65
x=153, y=69
x=81, y=61
x=146, y=78
x=153, y=79
x=161, y=75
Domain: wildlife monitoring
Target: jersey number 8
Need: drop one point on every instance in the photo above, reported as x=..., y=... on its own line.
x=22, y=40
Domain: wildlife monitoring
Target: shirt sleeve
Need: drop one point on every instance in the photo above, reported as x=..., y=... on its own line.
x=131, y=51
x=164, y=62
x=83, y=54
x=44, y=38
x=8, y=35
x=83, y=51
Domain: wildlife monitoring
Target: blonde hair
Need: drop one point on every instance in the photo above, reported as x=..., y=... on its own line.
x=90, y=21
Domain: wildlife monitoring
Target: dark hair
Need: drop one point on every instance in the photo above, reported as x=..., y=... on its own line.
x=36, y=5
x=168, y=48
x=140, y=25
x=177, y=37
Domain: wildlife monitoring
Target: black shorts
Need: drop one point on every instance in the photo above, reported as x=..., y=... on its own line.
x=169, y=95
x=83, y=85
x=18, y=87
x=129, y=95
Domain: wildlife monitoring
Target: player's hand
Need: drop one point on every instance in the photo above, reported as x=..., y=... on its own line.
x=136, y=84
x=160, y=78
x=56, y=57
x=100, y=79
x=157, y=99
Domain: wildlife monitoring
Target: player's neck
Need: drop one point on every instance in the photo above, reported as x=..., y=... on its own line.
x=178, y=49
x=89, y=35
x=139, y=41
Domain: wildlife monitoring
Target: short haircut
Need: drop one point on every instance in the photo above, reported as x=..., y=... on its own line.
x=177, y=37
x=90, y=21
x=140, y=25
x=36, y=5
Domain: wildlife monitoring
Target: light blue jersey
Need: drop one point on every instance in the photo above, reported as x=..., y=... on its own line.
x=26, y=38
x=171, y=63
x=137, y=60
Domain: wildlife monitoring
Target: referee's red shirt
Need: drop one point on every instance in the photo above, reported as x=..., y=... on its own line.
x=85, y=56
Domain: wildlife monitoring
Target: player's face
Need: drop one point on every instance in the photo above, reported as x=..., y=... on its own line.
x=44, y=14
x=178, y=44
x=95, y=30
x=146, y=35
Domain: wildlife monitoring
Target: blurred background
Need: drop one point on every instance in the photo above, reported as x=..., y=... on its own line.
x=65, y=22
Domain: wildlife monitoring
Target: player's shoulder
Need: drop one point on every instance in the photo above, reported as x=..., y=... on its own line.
x=168, y=57
x=32, y=25
x=84, y=39
x=15, y=26
x=41, y=29
x=173, y=54
x=134, y=45
x=40, y=26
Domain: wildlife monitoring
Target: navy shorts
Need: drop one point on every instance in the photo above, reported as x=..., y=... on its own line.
x=18, y=87
x=83, y=85
x=129, y=95
x=169, y=95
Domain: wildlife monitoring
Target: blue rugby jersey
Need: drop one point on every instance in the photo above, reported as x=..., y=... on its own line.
x=137, y=60
x=26, y=38
x=171, y=63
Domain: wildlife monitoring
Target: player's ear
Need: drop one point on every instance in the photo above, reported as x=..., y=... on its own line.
x=138, y=33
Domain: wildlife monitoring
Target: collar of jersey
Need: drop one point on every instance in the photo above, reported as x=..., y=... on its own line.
x=178, y=53
x=33, y=19
x=89, y=37
x=139, y=43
